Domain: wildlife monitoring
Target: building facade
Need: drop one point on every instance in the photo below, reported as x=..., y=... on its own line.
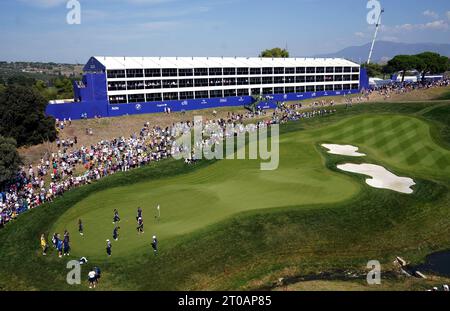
x=114, y=86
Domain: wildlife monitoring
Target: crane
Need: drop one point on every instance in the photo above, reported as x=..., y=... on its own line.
x=375, y=35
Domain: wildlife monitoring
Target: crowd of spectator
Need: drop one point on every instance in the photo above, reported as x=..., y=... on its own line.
x=72, y=166
x=56, y=173
x=387, y=90
x=285, y=113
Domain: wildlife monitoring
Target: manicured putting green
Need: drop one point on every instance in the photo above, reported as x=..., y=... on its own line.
x=204, y=197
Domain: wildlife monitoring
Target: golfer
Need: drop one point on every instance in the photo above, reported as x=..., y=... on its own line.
x=59, y=246
x=44, y=245
x=55, y=240
x=108, y=248
x=80, y=227
x=139, y=214
x=116, y=233
x=92, y=278
x=140, y=227
x=98, y=275
x=66, y=246
x=116, y=216
x=155, y=245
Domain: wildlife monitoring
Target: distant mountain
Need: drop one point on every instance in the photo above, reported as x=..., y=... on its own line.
x=385, y=50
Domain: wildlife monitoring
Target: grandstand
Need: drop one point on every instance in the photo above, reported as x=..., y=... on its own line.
x=115, y=86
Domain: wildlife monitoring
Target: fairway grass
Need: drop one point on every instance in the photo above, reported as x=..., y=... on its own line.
x=205, y=197
x=228, y=225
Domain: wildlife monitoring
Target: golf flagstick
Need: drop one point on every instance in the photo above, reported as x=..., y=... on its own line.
x=159, y=211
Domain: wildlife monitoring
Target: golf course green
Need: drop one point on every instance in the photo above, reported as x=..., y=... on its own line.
x=228, y=225
x=228, y=187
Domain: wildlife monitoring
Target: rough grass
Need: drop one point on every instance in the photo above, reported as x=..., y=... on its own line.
x=445, y=95
x=258, y=246
x=398, y=284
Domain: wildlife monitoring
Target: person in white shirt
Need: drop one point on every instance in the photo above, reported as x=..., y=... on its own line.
x=92, y=278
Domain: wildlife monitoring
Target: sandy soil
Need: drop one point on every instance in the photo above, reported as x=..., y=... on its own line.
x=381, y=177
x=347, y=150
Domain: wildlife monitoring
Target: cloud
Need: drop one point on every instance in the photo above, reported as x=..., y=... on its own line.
x=390, y=38
x=431, y=14
x=360, y=34
x=440, y=25
x=448, y=15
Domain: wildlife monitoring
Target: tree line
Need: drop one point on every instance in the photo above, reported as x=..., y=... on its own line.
x=23, y=121
x=51, y=88
x=425, y=63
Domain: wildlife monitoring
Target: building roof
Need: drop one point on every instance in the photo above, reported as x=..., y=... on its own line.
x=112, y=63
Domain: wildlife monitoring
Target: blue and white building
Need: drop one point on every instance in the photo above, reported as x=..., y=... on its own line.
x=115, y=86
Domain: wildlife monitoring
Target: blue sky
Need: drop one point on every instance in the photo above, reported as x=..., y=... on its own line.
x=36, y=30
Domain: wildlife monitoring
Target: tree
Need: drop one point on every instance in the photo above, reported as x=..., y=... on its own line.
x=9, y=160
x=373, y=69
x=40, y=86
x=275, y=52
x=61, y=88
x=22, y=116
x=432, y=63
x=64, y=88
x=405, y=62
x=22, y=80
x=387, y=70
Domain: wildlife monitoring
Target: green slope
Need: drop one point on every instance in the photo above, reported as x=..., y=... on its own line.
x=204, y=197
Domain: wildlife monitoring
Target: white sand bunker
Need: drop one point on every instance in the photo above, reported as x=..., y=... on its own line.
x=347, y=150
x=381, y=177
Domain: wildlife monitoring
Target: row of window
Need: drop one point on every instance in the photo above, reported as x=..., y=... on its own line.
x=137, y=98
x=183, y=83
x=174, y=72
